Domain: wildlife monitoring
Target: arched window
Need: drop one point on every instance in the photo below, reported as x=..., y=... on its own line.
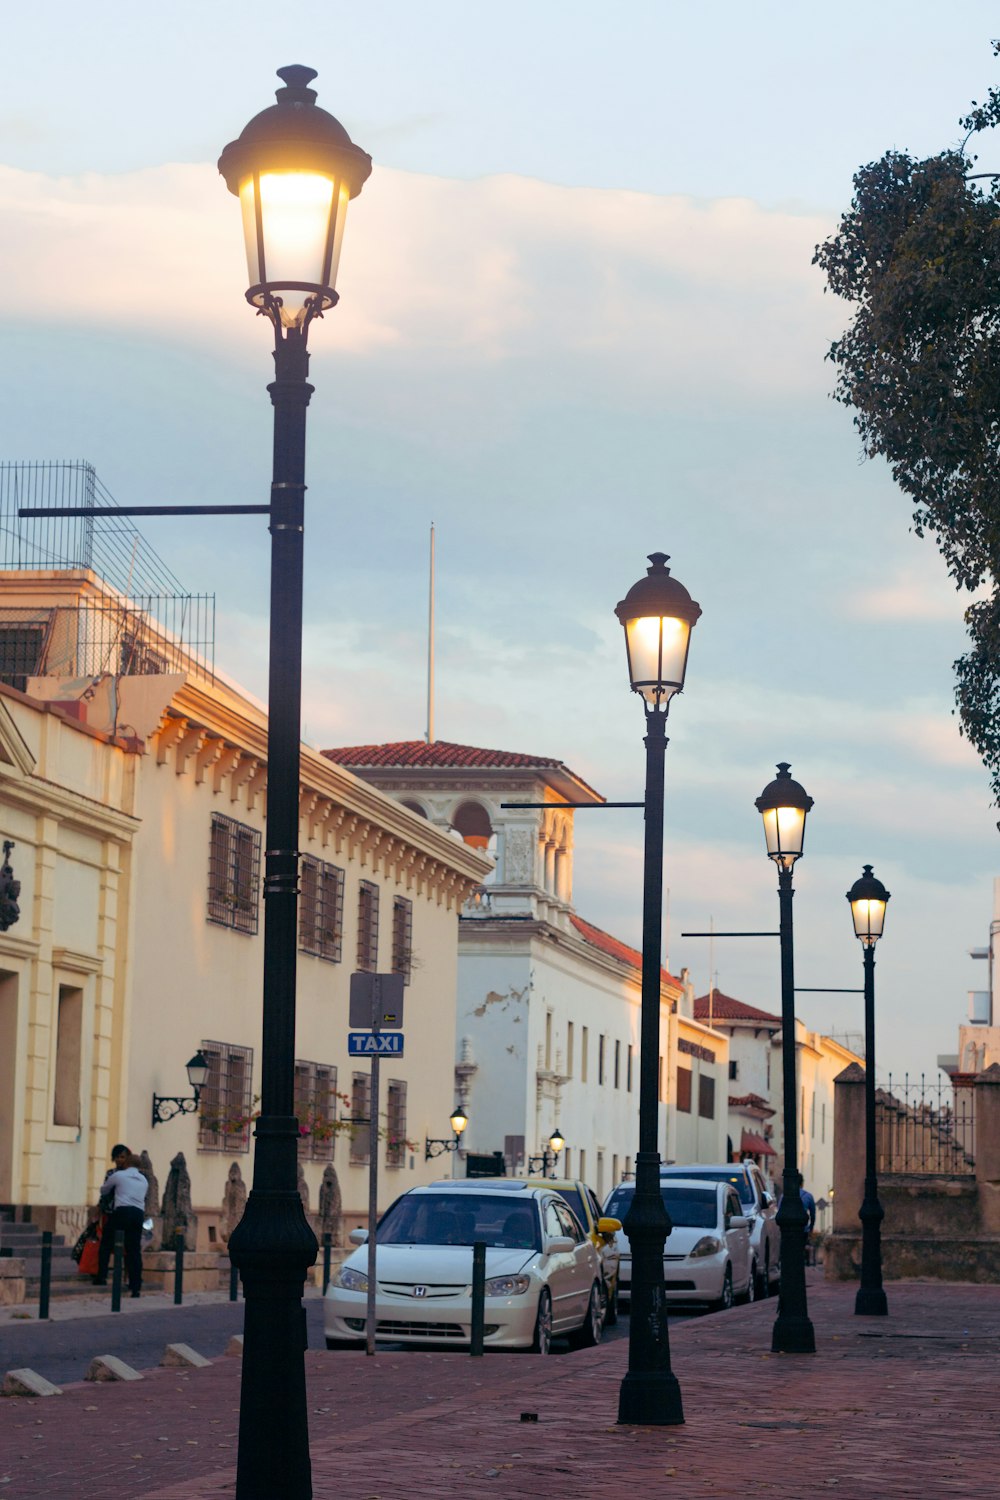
x=472, y=821
x=414, y=807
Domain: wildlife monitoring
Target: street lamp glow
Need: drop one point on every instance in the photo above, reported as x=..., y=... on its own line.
x=459, y=1119
x=783, y=805
x=657, y=614
x=294, y=169
x=868, y=898
x=556, y=1141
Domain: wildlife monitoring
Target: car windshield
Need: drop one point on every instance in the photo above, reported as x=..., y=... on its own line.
x=500, y=1220
x=739, y=1180
x=688, y=1207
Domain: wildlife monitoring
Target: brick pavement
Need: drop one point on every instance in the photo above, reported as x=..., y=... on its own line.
x=898, y=1407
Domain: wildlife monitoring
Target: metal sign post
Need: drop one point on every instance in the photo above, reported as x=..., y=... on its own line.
x=372, y=1197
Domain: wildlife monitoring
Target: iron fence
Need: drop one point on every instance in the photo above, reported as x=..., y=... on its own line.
x=925, y=1127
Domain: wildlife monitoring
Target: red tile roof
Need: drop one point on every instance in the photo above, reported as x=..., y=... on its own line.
x=725, y=1008
x=437, y=753
x=750, y=1101
x=611, y=945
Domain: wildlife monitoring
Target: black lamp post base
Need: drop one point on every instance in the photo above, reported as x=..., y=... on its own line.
x=650, y=1398
x=793, y=1335
x=871, y=1303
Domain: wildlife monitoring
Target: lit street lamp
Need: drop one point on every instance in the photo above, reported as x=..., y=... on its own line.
x=294, y=169
x=868, y=898
x=549, y=1157
x=658, y=614
x=784, y=805
x=458, y=1120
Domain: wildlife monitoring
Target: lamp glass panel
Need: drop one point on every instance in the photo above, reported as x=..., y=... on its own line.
x=784, y=830
x=869, y=919
x=295, y=210
x=197, y=1072
x=459, y=1120
x=657, y=654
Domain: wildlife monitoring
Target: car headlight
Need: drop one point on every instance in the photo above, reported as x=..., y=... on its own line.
x=707, y=1245
x=507, y=1286
x=351, y=1280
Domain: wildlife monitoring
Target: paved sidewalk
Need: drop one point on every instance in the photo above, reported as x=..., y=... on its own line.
x=897, y=1407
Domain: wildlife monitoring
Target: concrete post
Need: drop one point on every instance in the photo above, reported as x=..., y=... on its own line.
x=848, y=1148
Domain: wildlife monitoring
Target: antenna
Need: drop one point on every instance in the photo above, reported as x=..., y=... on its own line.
x=711, y=974
x=430, y=646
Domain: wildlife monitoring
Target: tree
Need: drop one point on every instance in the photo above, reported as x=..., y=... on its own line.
x=919, y=255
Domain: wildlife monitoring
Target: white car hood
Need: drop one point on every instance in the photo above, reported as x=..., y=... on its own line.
x=436, y=1264
x=680, y=1241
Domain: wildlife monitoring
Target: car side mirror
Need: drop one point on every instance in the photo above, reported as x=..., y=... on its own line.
x=358, y=1236
x=738, y=1221
x=559, y=1243
x=608, y=1226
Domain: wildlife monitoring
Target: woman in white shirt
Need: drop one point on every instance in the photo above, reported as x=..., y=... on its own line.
x=129, y=1188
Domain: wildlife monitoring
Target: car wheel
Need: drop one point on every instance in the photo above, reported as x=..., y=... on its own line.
x=725, y=1301
x=343, y=1344
x=593, y=1324
x=611, y=1310
x=542, y=1342
x=764, y=1284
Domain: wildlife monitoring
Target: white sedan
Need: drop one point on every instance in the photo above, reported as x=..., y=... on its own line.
x=707, y=1256
x=543, y=1275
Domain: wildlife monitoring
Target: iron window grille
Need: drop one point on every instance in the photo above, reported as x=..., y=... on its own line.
x=361, y=1134
x=321, y=910
x=234, y=875
x=316, y=1110
x=368, y=926
x=21, y=650
x=395, y=1145
x=225, y=1108
x=402, y=937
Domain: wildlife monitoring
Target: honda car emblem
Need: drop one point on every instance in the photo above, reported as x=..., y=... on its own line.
x=420, y=1291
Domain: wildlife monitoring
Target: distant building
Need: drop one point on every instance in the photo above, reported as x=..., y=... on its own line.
x=548, y=1007
x=979, y=1036
x=755, y=1117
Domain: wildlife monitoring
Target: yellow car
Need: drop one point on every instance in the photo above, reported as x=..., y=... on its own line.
x=600, y=1229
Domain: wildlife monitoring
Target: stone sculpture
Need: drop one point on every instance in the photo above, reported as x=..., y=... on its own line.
x=303, y=1188
x=234, y=1201
x=152, y=1206
x=178, y=1213
x=330, y=1206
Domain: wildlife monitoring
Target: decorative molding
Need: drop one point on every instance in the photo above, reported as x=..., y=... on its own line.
x=76, y=963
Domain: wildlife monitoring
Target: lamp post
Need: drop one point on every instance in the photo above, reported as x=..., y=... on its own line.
x=784, y=805
x=294, y=169
x=868, y=898
x=658, y=614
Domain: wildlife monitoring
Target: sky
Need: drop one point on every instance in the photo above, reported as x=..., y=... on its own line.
x=578, y=323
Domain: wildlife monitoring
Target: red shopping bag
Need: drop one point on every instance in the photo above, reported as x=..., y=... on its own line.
x=89, y=1262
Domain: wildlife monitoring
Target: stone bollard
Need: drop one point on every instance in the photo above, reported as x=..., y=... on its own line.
x=842, y=1252
x=986, y=1092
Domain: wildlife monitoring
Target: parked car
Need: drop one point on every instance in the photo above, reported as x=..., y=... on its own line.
x=759, y=1206
x=707, y=1256
x=543, y=1275
x=601, y=1229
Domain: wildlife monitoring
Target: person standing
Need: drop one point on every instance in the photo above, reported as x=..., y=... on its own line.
x=124, y=1192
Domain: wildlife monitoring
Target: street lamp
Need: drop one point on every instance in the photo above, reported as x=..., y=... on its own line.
x=458, y=1120
x=657, y=614
x=549, y=1157
x=197, y=1072
x=868, y=898
x=784, y=805
x=294, y=169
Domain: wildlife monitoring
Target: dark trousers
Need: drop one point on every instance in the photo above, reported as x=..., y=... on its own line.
x=129, y=1221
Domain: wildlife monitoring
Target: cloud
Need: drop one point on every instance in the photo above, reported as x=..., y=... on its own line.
x=504, y=269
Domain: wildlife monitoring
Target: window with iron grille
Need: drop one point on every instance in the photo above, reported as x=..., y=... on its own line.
x=706, y=1097
x=368, y=926
x=321, y=910
x=361, y=1133
x=20, y=654
x=315, y=1110
x=395, y=1143
x=225, y=1105
x=137, y=657
x=684, y=1090
x=234, y=875
x=402, y=937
